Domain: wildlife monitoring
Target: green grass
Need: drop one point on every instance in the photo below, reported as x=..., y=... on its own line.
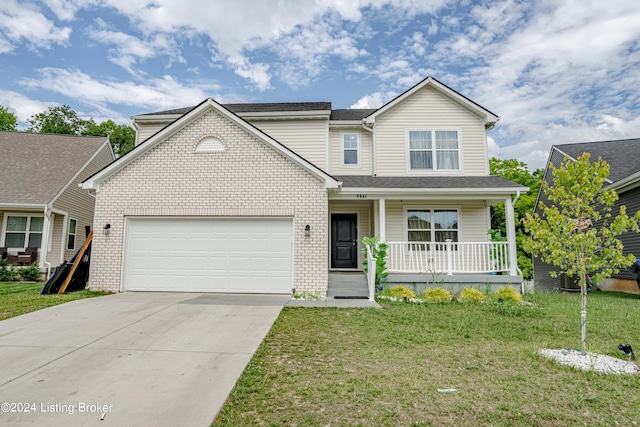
x=18, y=298
x=344, y=367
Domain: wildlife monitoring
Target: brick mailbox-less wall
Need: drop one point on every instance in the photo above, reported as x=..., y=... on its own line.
x=248, y=178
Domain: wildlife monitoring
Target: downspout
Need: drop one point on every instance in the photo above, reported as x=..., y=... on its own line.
x=517, y=197
x=373, y=148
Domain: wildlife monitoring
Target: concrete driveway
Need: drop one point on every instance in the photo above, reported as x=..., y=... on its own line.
x=133, y=359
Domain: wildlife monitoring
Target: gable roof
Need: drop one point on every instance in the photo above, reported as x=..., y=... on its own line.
x=93, y=182
x=36, y=167
x=490, y=119
x=619, y=154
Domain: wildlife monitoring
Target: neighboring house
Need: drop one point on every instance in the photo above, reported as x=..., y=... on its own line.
x=271, y=198
x=41, y=202
x=624, y=177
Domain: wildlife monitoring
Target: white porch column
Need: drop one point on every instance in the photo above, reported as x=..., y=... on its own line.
x=510, y=224
x=382, y=214
x=45, y=243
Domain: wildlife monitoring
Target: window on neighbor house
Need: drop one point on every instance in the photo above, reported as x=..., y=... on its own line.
x=432, y=225
x=23, y=231
x=433, y=150
x=350, y=147
x=71, y=240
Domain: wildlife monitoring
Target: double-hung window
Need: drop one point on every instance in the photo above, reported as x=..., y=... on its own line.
x=350, y=149
x=23, y=231
x=432, y=225
x=433, y=150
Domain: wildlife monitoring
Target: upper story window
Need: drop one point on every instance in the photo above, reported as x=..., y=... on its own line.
x=22, y=232
x=433, y=150
x=350, y=149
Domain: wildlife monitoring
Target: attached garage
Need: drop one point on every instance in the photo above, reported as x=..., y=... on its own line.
x=239, y=255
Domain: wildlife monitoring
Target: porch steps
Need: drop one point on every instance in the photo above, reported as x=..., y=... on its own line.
x=348, y=285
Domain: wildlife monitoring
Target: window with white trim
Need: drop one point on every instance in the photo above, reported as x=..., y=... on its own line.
x=433, y=150
x=71, y=239
x=350, y=149
x=23, y=231
x=432, y=225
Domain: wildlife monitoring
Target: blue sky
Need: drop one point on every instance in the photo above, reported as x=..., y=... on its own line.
x=555, y=71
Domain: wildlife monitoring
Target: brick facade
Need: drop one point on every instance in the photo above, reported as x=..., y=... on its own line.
x=248, y=178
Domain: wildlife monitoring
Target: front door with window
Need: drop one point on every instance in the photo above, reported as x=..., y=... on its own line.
x=344, y=241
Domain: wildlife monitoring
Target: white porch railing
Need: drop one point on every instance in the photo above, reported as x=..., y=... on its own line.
x=448, y=257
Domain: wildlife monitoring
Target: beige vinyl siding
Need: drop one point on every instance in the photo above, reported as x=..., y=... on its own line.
x=472, y=218
x=428, y=110
x=307, y=138
x=79, y=204
x=363, y=210
x=336, y=167
x=145, y=130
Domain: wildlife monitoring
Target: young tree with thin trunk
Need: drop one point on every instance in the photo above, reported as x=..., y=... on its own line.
x=578, y=231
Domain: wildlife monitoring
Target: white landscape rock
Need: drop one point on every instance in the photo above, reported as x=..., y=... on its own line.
x=591, y=361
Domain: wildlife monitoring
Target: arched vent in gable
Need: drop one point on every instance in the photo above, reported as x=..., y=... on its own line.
x=209, y=145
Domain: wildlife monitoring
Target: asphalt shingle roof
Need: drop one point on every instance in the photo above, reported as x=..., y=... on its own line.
x=343, y=114
x=351, y=114
x=34, y=167
x=258, y=108
x=622, y=155
x=391, y=182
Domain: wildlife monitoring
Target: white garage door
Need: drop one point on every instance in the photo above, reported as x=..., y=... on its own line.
x=247, y=255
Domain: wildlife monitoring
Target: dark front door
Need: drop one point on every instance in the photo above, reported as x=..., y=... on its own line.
x=344, y=241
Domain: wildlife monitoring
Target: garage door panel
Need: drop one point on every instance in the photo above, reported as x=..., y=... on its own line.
x=209, y=255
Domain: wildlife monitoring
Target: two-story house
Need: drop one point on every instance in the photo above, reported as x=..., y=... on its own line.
x=272, y=198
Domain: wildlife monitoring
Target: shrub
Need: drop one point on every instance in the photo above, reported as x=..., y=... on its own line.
x=471, y=294
x=437, y=295
x=399, y=292
x=508, y=294
x=31, y=273
x=6, y=274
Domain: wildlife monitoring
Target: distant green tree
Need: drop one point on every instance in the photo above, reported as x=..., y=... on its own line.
x=60, y=120
x=518, y=172
x=8, y=120
x=122, y=137
x=64, y=120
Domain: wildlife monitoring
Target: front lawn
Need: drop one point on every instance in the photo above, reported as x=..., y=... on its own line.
x=18, y=298
x=333, y=367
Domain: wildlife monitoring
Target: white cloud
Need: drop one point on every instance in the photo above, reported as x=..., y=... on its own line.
x=128, y=50
x=155, y=94
x=25, y=22
x=65, y=10
x=22, y=106
x=374, y=100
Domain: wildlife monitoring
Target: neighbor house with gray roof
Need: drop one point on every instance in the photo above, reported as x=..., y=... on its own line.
x=41, y=203
x=277, y=198
x=624, y=178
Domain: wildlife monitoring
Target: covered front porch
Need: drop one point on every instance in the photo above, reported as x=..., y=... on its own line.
x=436, y=235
